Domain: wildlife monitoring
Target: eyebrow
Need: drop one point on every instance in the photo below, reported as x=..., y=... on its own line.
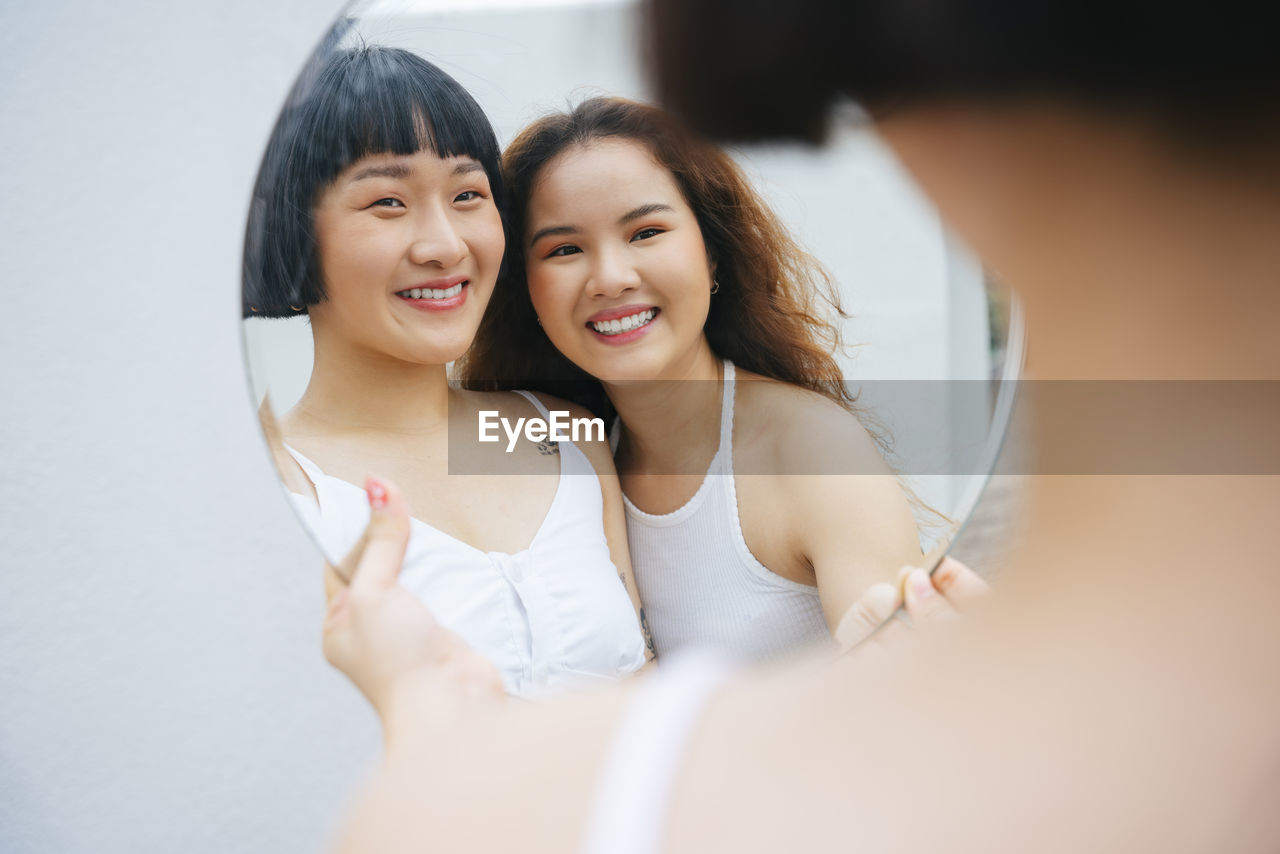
x=644, y=210
x=400, y=170
x=468, y=165
x=629, y=216
x=390, y=170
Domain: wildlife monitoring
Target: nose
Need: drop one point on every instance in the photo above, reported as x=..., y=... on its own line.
x=612, y=275
x=437, y=240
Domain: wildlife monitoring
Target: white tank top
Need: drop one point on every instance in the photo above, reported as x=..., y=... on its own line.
x=552, y=616
x=700, y=584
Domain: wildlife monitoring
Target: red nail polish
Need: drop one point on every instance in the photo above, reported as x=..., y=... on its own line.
x=377, y=493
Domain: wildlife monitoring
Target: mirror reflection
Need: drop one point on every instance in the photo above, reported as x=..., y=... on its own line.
x=639, y=393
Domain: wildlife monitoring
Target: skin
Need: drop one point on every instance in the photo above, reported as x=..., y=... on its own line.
x=378, y=397
x=1126, y=673
x=608, y=228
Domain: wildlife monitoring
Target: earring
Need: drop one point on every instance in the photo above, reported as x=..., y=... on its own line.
x=253, y=308
x=715, y=286
x=297, y=307
x=539, y=319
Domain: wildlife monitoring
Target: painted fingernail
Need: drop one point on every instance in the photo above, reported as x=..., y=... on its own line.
x=376, y=491
x=921, y=584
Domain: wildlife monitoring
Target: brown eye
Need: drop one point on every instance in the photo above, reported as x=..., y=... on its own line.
x=646, y=233
x=387, y=203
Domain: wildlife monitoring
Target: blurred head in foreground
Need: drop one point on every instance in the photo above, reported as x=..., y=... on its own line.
x=1110, y=162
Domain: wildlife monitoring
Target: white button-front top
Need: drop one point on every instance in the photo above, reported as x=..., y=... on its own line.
x=552, y=616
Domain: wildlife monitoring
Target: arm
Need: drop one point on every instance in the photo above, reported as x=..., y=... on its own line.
x=997, y=740
x=854, y=526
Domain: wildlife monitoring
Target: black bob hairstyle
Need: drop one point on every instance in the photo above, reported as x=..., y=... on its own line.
x=347, y=105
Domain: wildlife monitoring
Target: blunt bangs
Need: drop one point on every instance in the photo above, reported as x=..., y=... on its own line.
x=360, y=102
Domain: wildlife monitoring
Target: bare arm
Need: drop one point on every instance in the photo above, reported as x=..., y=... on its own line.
x=1019, y=732
x=854, y=527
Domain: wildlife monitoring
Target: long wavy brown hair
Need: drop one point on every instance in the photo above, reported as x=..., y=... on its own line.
x=776, y=307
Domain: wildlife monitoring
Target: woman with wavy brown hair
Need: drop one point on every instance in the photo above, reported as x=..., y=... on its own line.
x=656, y=277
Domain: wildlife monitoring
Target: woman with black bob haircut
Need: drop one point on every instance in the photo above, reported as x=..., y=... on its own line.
x=377, y=213
x=359, y=102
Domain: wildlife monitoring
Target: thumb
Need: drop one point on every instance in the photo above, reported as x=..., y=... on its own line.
x=385, y=539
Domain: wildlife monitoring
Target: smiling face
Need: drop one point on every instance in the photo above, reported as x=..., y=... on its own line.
x=617, y=269
x=409, y=249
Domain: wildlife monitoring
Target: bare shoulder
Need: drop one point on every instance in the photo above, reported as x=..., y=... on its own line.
x=592, y=437
x=794, y=430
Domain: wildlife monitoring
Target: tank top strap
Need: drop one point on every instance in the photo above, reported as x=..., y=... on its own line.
x=532, y=398
x=631, y=801
x=725, y=451
x=310, y=469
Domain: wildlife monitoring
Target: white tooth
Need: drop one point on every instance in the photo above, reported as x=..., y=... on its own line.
x=615, y=326
x=626, y=323
x=455, y=290
x=415, y=293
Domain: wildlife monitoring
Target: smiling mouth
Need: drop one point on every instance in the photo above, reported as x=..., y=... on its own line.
x=619, y=325
x=431, y=293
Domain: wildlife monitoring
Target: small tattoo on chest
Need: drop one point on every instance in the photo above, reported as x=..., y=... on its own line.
x=548, y=448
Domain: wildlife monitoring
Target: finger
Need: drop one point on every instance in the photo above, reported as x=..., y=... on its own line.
x=923, y=601
x=866, y=615
x=385, y=539
x=959, y=584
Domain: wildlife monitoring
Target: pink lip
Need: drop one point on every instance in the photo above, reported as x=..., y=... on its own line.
x=617, y=313
x=425, y=304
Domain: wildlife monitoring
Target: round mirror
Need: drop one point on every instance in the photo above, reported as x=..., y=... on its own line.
x=401, y=239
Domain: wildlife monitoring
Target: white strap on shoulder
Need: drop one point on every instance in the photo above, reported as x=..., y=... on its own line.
x=310, y=469
x=628, y=812
x=726, y=413
x=537, y=404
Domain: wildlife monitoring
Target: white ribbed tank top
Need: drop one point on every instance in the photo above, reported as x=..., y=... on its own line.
x=551, y=616
x=701, y=586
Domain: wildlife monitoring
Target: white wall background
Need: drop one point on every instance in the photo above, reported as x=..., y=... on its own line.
x=161, y=686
